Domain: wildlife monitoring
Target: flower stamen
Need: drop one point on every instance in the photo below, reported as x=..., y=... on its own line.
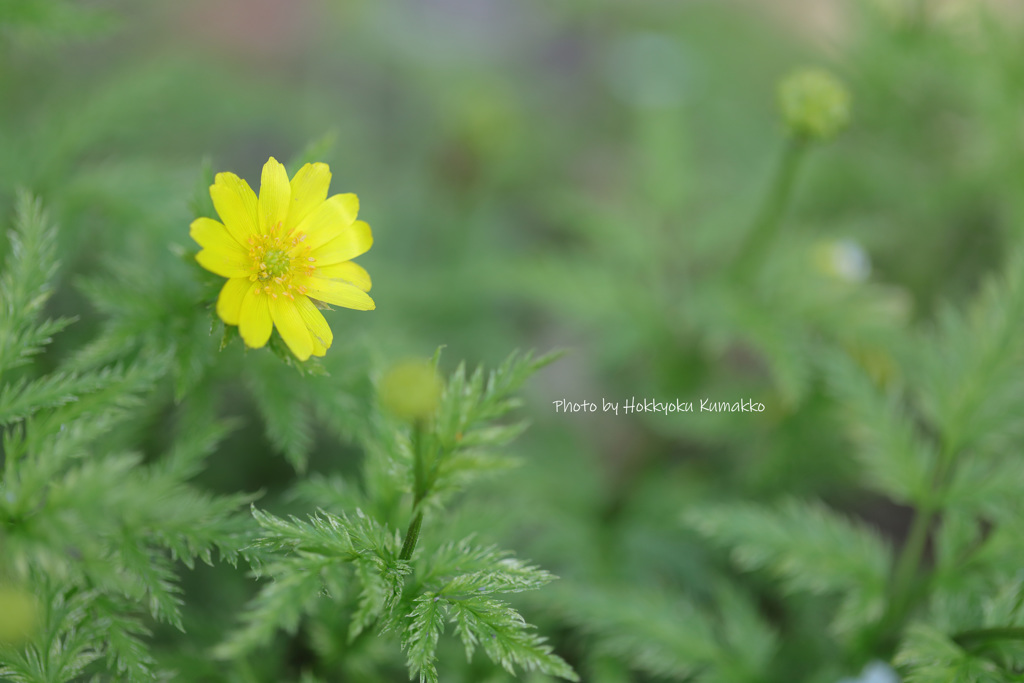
x=274, y=260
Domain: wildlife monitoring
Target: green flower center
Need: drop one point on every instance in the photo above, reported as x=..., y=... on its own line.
x=276, y=260
x=275, y=264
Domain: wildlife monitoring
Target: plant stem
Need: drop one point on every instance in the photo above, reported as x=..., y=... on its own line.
x=769, y=219
x=902, y=587
x=412, y=534
x=908, y=562
x=419, y=467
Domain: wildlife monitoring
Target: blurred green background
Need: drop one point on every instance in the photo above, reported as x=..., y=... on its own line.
x=572, y=174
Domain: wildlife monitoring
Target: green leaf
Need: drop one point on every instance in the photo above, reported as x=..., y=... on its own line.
x=461, y=568
x=279, y=605
x=286, y=415
x=201, y=204
x=314, y=552
x=27, y=283
x=808, y=546
x=663, y=636
x=469, y=401
x=314, y=151
x=419, y=639
x=505, y=636
x=972, y=377
x=929, y=656
x=24, y=398
x=373, y=600
x=897, y=460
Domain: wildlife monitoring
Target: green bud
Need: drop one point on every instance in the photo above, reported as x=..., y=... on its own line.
x=411, y=390
x=19, y=615
x=814, y=103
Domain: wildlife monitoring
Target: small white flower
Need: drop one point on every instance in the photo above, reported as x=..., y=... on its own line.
x=874, y=672
x=844, y=260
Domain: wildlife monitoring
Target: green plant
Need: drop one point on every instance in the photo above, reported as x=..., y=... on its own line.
x=613, y=177
x=410, y=588
x=94, y=528
x=91, y=528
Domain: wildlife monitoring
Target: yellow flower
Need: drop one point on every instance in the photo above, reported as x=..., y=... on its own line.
x=283, y=251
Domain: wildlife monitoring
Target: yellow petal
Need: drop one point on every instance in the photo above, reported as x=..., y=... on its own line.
x=275, y=195
x=318, y=348
x=224, y=262
x=254, y=322
x=328, y=220
x=309, y=190
x=339, y=294
x=347, y=271
x=353, y=241
x=293, y=330
x=314, y=320
x=229, y=303
x=212, y=234
x=236, y=205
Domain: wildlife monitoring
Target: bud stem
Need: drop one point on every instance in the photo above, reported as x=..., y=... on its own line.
x=763, y=234
x=412, y=534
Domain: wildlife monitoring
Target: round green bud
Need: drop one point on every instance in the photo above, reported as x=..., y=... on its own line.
x=411, y=390
x=814, y=103
x=19, y=615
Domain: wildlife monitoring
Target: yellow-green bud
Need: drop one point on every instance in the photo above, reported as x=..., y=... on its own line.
x=19, y=615
x=411, y=390
x=814, y=103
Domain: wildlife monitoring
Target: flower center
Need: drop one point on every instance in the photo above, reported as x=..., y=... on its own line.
x=276, y=259
x=275, y=263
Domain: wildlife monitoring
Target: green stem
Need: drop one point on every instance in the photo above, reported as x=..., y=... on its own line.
x=420, y=487
x=412, y=535
x=908, y=562
x=419, y=467
x=766, y=226
x=903, y=589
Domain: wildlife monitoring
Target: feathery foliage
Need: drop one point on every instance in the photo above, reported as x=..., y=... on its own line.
x=935, y=441
x=616, y=177
x=26, y=284
x=356, y=562
x=99, y=557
